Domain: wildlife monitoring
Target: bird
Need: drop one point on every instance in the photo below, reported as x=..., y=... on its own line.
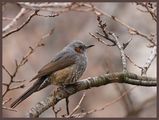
x=66, y=67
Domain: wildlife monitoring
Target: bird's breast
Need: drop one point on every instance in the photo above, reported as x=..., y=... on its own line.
x=80, y=67
x=63, y=76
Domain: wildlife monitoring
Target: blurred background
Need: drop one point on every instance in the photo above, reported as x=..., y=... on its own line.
x=75, y=25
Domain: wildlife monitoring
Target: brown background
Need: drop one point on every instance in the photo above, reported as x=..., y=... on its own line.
x=76, y=26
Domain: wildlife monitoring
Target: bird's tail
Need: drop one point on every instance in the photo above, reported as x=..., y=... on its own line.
x=31, y=90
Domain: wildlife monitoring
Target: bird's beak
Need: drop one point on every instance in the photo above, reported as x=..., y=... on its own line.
x=89, y=46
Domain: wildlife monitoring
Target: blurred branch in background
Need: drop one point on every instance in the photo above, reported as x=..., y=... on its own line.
x=83, y=114
x=127, y=100
x=143, y=106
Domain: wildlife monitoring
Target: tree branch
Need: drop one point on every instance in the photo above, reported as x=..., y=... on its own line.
x=82, y=7
x=20, y=27
x=123, y=58
x=150, y=8
x=52, y=100
x=22, y=62
x=149, y=61
x=14, y=21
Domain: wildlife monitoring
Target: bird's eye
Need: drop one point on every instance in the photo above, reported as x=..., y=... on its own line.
x=79, y=49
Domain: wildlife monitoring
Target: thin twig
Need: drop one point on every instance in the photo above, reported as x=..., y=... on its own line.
x=19, y=81
x=17, y=87
x=67, y=105
x=56, y=111
x=20, y=27
x=98, y=39
x=127, y=100
x=7, y=18
x=6, y=71
x=150, y=9
x=78, y=105
x=10, y=109
x=103, y=26
x=6, y=101
x=115, y=41
x=6, y=108
x=133, y=62
x=149, y=61
x=22, y=62
x=14, y=20
x=123, y=58
x=109, y=103
x=143, y=106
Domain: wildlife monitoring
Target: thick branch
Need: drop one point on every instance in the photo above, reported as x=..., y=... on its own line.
x=88, y=83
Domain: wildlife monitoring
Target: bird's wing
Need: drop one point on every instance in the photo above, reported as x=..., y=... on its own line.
x=61, y=61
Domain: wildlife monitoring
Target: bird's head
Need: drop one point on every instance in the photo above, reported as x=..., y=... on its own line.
x=79, y=47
